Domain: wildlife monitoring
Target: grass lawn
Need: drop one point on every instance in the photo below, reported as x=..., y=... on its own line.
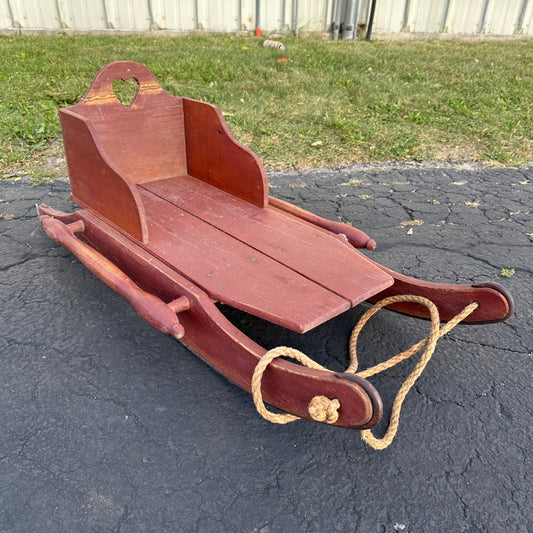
x=333, y=103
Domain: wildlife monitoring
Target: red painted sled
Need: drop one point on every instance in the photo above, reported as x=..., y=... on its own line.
x=177, y=216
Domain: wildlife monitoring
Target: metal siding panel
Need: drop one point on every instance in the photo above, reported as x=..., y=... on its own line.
x=5, y=16
x=78, y=15
x=527, y=23
x=425, y=16
x=248, y=16
x=35, y=14
x=217, y=16
x=363, y=12
x=329, y=13
x=464, y=18
x=179, y=15
x=388, y=17
x=272, y=16
x=502, y=17
x=129, y=15
x=311, y=16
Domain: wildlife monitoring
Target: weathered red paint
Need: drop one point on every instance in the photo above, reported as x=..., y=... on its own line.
x=177, y=214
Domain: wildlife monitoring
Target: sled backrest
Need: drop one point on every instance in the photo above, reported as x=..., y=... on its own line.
x=145, y=140
x=112, y=147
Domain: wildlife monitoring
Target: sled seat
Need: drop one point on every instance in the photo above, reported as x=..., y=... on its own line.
x=167, y=172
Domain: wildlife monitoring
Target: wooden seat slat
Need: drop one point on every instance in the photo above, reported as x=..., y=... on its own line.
x=234, y=273
x=311, y=251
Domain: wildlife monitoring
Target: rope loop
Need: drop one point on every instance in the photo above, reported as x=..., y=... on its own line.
x=280, y=351
x=429, y=344
x=323, y=409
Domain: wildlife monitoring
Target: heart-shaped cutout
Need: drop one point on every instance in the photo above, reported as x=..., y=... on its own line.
x=126, y=91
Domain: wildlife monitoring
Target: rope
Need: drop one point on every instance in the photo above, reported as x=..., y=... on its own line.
x=323, y=409
x=258, y=375
x=428, y=344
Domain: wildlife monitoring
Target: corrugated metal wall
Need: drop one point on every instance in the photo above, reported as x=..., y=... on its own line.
x=452, y=17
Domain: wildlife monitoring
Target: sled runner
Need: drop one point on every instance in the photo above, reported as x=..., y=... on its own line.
x=176, y=216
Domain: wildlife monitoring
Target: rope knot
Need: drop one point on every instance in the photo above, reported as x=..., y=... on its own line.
x=322, y=409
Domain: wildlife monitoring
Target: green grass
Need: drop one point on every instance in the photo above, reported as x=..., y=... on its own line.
x=333, y=103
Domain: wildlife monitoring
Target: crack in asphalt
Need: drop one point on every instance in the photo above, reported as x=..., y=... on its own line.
x=488, y=346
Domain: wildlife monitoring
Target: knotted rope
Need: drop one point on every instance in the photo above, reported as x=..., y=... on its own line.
x=323, y=409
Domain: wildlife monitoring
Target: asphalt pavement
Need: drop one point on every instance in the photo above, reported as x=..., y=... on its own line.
x=108, y=425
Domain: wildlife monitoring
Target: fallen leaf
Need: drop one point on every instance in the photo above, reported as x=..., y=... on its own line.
x=411, y=223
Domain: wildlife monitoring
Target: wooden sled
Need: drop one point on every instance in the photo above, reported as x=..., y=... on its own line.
x=176, y=216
